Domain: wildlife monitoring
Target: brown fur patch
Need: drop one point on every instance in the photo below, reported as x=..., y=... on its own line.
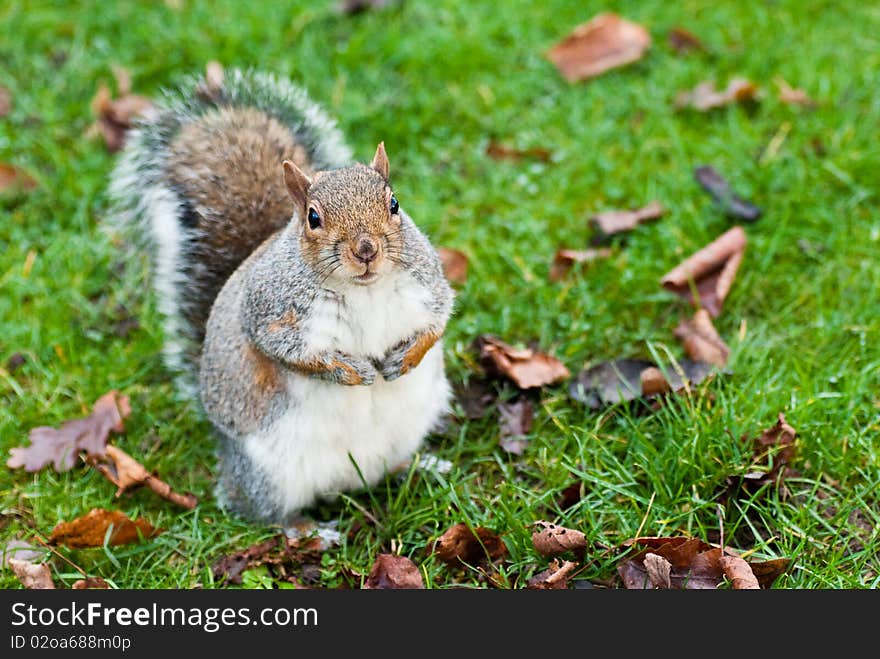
x=287, y=321
x=315, y=366
x=415, y=354
x=266, y=376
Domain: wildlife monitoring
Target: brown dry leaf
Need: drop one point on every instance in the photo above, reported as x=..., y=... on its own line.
x=721, y=191
x=767, y=571
x=659, y=571
x=605, y=42
x=525, y=367
x=498, y=151
x=619, y=221
x=554, y=577
x=61, y=446
x=566, y=258
x=14, y=180
x=740, y=573
x=90, y=583
x=571, y=495
x=90, y=530
x=227, y=569
x=551, y=539
x=705, y=97
x=455, y=264
x=5, y=101
x=653, y=382
x=793, y=96
x=460, y=543
x=701, y=341
x=711, y=269
x=682, y=41
x=33, y=576
x=515, y=422
x=115, y=116
x=621, y=380
x=126, y=473
x=393, y=572
x=775, y=448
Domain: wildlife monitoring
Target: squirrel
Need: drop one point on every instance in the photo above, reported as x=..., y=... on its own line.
x=301, y=304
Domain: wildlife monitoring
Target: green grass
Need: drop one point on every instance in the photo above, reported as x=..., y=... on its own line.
x=436, y=81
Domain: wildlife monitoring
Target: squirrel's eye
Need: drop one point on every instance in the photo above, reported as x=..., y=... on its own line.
x=394, y=206
x=314, y=219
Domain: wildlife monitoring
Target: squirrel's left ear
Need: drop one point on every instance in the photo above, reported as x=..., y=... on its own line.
x=380, y=161
x=297, y=183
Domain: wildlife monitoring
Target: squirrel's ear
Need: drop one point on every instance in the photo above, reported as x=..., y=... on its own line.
x=297, y=182
x=380, y=161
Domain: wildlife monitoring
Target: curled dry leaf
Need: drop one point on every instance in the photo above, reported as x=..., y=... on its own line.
x=460, y=543
x=33, y=576
x=14, y=180
x=228, y=568
x=126, y=473
x=566, y=258
x=621, y=380
x=683, y=41
x=619, y=221
x=711, y=269
x=721, y=191
x=554, y=577
x=115, y=116
x=551, y=539
x=766, y=572
x=90, y=530
x=515, y=422
x=701, y=341
x=705, y=97
x=653, y=382
x=605, y=42
x=792, y=96
x=393, y=572
x=455, y=265
x=60, y=447
x=90, y=583
x=5, y=101
x=525, y=367
x=498, y=151
x=658, y=570
x=740, y=573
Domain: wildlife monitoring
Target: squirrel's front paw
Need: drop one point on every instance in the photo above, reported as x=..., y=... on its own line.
x=406, y=355
x=352, y=371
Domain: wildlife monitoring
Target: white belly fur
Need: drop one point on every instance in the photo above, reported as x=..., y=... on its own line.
x=379, y=425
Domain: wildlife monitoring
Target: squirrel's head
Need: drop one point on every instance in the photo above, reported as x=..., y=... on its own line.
x=348, y=220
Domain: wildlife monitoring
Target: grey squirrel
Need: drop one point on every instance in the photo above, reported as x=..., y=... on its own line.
x=300, y=302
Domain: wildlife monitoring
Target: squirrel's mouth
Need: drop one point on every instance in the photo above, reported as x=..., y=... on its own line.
x=367, y=277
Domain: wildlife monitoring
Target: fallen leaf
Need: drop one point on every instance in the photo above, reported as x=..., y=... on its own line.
x=768, y=571
x=5, y=101
x=551, y=539
x=705, y=97
x=553, y=578
x=711, y=270
x=566, y=258
x=91, y=530
x=115, y=116
x=33, y=576
x=20, y=550
x=620, y=381
x=740, y=574
x=462, y=544
x=476, y=397
x=605, y=42
x=393, y=572
x=658, y=570
x=455, y=264
x=515, y=422
x=525, y=367
x=653, y=382
x=14, y=180
x=619, y=221
x=498, y=151
x=60, y=447
x=126, y=473
x=16, y=360
x=682, y=41
x=731, y=204
x=358, y=6
x=775, y=448
x=90, y=583
x=228, y=569
x=792, y=96
x=701, y=341
x=571, y=495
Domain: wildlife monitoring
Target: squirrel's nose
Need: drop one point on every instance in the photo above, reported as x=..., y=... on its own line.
x=366, y=250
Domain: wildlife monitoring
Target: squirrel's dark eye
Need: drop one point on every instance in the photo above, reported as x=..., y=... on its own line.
x=394, y=206
x=314, y=219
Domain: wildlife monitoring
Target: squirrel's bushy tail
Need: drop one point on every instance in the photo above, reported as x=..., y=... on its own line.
x=199, y=185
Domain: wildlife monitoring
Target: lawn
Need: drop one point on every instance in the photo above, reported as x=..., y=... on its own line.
x=437, y=81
